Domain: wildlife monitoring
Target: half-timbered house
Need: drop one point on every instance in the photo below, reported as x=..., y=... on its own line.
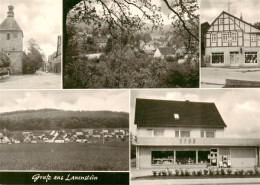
x=230, y=41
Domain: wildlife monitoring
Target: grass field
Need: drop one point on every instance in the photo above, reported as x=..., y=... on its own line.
x=113, y=155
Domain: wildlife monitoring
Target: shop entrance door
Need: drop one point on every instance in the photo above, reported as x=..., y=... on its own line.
x=234, y=58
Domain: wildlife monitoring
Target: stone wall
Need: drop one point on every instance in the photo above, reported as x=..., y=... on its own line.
x=16, y=66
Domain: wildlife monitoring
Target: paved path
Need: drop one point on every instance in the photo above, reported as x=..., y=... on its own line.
x=41, y=80
x=255, y=181
x=215, y=77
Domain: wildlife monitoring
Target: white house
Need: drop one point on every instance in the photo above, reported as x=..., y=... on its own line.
x=231, y=41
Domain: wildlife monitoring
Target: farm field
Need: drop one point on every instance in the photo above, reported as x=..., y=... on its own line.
x=113, y=155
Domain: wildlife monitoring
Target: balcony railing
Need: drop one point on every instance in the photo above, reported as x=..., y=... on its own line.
x=152, y=141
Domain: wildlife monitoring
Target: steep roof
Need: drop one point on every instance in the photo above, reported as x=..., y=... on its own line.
x=166, y=51
x=223, y=12
x=191, y=114
x=10, y=24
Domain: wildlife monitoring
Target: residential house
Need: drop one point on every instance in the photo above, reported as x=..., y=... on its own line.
x=59, y=139
x=183, y=133
x=6, y=140
x=164, y=52
x=81, y=139
x=28, y=139
x=231, y=41
x=149, y=47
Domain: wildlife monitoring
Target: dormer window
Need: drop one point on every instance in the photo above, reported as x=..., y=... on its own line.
x=176, y=116
x=8, y=36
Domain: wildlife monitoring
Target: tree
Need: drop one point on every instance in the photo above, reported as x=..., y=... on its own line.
x=257, y=25
x=34, y=59
x=4, y=60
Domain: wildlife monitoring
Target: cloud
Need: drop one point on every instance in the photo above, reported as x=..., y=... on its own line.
x=249, y=9
x=66, y=100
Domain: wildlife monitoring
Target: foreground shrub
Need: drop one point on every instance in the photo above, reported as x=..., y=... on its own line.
x=241, y=172
x=217, y=172
x=164, y=173
x=182, y=173
x=211, y=172
x=256, y=171
x=229, y=171
x=177, y=172
x=193, y=172
x=199, y=173
x=187, y=173
x=206, y=172
x=250, y=172
x=237, y=172
x=222, y=171
x=154, y=173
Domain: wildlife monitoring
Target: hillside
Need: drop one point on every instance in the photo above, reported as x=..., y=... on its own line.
x=59, y=119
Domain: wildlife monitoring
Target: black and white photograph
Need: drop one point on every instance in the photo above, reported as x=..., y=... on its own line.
x=131, y=44
x=230, y=43
x=194, y=136
x=64, y=130
x=30, y=44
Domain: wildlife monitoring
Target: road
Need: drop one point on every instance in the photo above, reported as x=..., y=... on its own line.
x=41, y=80
x=215, y=77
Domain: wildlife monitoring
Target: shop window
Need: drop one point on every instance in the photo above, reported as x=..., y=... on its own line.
x=253, y=37
x=234, y=36
x=185, y=133
x=217, y=58
x=185, y=157
x=213, y=37
x=162, y=157
x=250, y=57
x=203, y=157
x=158, y=133
x=225, y=37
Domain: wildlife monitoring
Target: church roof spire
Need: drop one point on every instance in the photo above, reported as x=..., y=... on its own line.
x=10, y=12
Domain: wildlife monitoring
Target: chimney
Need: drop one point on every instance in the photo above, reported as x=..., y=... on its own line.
x=10, y=12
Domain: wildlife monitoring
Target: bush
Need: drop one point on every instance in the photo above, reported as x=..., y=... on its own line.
x=182, y=173
x=211, y=172
x=187, y=173
x=237, y=172
x=256, y=170
x=241, y=172
x=154, y=173
x=193, y=172
x=177, y=172
x=199, y=173
x=250, y=172
x=206, y=172
x=169, y=172
x=217, y=172
x=222, y=171
x=229, y=171
x=164, y=173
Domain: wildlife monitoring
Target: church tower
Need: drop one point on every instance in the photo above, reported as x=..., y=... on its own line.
x=11, y=41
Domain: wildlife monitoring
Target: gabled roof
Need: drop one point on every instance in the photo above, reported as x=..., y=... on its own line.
x=166, y=51
x=150, y=112
x=223, y=12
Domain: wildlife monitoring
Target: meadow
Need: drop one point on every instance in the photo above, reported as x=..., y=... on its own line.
x=110, y=156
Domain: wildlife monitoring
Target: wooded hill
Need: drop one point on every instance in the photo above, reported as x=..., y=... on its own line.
x=59, y=119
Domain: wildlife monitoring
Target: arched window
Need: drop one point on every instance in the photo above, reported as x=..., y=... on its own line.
x=8, y=36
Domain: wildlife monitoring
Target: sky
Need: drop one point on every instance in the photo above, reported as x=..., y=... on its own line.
x=239, y=108
x=39, y=19
x=210, y=9
x=94, y=100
